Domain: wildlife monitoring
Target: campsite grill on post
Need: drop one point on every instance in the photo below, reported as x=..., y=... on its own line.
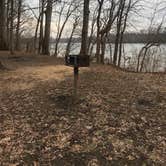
x=76, y=61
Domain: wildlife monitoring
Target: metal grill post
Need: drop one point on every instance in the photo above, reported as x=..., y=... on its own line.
x=76, y=71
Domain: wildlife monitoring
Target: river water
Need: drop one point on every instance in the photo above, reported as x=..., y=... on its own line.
x=130, y=51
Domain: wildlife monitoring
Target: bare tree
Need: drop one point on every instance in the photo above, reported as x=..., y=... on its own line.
x=100, y=2
x=3, y=42
x=75, y=24
x=41, y=19
x=92, y=40
x=150, y=41
x=11, y=26
x=17, y=46
x=84, y=39
x=36, y=33
x=103, y=30
x=46, y=39
x=8, y=22
x=71, y=8
x=119, y=24
x=130, y=6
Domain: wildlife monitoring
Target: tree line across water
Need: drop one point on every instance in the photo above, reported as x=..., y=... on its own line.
x=128, y=38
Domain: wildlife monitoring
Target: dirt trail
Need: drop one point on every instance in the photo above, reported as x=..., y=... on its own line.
x=119, y=118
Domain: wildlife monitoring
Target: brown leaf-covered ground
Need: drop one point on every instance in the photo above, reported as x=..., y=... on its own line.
x=119, y=118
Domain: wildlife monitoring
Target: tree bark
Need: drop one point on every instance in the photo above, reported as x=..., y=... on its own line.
x=118, y=35
x=36, y=32
x=46, y=40
x=84, y=41
x=115, y=57
x=8, y=23
x=11, y=27
x=71, y=36
x=3, y=43
x=98, y=39
x=17, y=46
x=70, y=10
x=105, y=29
x=120, y=49
x=41, y=26
x=123, y=30
x=91, y=38
x=103, y=47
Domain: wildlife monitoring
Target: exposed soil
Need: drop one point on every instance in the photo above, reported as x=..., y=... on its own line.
x=119, y=118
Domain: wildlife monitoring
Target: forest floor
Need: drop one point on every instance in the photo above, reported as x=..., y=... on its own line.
x=119, y=117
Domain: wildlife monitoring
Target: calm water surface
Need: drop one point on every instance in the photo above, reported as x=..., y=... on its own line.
x=129, y=50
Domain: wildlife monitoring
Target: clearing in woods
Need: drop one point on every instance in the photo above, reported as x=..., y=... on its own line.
x=119, y=117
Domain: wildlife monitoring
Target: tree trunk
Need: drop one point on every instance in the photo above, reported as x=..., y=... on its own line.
x=139, y=58
x=8, y=23
x=3, y=44
x=58, y=29
x=91, y=48
x=103, y=47
x=59, y=37
x=98, y=46
x=17, y=46
x=84, y=42
x=118, y=35
x=116, y=48
x=123, y=30
x=41, y=26
x=11, y=27
x=143, y=59
x=36, y=32
x=71, y=36
x=46, y=39
x=91, y=39
x=69, y=43
x=120, y=49
x=98, y=39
